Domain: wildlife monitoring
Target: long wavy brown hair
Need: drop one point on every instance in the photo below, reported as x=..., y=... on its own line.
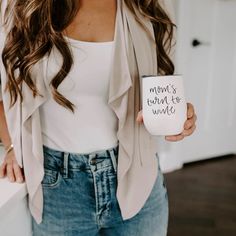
x=37, y=26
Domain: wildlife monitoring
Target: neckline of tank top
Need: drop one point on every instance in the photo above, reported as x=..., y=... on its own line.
x=79, y=42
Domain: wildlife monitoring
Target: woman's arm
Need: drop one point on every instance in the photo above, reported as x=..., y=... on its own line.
x=9, y=166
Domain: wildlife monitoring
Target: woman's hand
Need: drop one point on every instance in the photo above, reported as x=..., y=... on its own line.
x=189, y=125
x=11, y=168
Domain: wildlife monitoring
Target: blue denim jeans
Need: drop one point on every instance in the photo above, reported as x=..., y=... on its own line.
x=79, y=192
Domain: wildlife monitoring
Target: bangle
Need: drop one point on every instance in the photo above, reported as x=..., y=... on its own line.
x=8, y=149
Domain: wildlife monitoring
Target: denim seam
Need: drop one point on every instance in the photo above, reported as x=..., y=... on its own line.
x=113, y=159
x=65, y=164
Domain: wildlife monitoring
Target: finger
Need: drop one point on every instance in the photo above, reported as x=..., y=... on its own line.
x=3, y=169
x=174, y=138
x=190, y=110
x=18, y=172
x=190, y=122
x=189, y=131
x=10, y=173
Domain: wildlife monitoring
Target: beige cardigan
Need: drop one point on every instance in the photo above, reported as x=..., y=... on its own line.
x=134, y=55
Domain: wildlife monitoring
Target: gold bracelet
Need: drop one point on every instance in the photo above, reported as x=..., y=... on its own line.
x=8, y=149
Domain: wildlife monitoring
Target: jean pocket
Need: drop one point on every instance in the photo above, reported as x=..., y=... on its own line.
x=161, y=173
x=158, y=160
x=52, y=178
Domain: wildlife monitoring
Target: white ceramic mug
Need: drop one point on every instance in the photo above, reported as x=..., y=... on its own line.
x=164, y=104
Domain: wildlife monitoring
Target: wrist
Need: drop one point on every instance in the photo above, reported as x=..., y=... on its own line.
x=8, y=148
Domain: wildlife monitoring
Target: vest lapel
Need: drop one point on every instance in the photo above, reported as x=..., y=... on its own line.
x=131, y=44
x=120, y=83
x=120, y=79
x=30, y=104
x=144, y=46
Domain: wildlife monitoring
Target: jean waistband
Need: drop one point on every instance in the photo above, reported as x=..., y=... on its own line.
x=62, y=158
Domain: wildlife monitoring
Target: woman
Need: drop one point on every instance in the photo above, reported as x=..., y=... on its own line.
x=90, y=165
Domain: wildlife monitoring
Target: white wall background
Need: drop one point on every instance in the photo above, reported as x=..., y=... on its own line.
x=210, y=80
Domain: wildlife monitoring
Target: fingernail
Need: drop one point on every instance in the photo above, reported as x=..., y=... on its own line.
x=19, y=180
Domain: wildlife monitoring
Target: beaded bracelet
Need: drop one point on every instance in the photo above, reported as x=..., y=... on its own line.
x=8, y=149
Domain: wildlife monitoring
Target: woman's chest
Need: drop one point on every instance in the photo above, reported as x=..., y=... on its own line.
x=94, y=22
x=90, y=73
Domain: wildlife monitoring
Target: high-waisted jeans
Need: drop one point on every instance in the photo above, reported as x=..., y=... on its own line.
x=79, y=192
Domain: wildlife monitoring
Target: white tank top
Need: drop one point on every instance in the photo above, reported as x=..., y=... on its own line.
x=93, y=125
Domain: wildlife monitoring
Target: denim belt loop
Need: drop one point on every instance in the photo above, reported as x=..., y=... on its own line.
x=113, y=159
x=65, y=164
